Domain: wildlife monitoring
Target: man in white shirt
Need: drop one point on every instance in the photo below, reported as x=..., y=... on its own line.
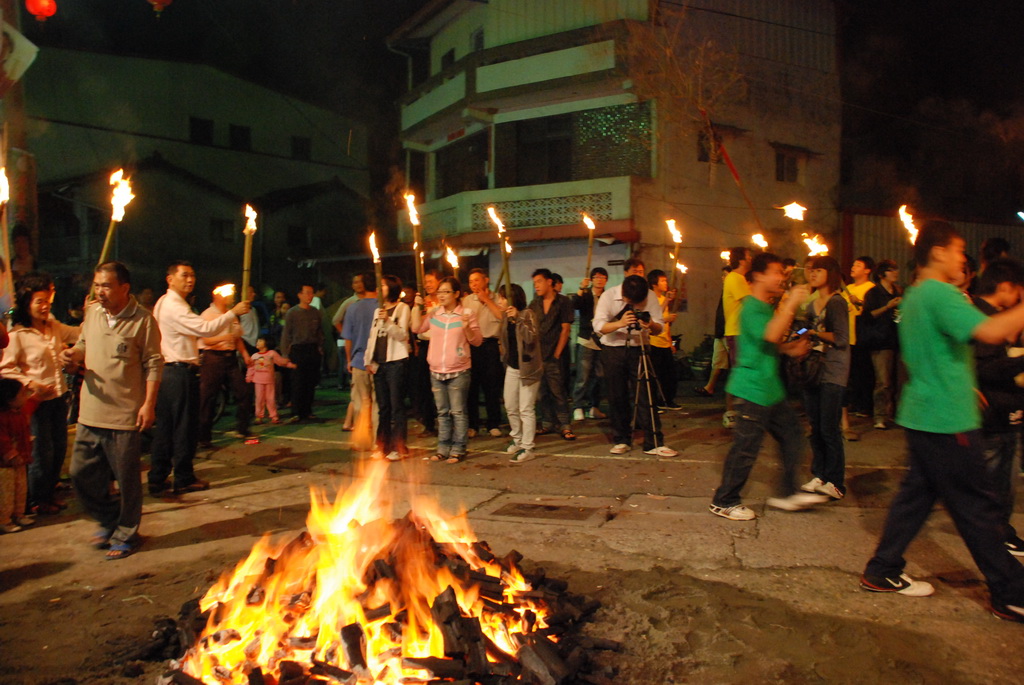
x=177, y=408
x=488, y=372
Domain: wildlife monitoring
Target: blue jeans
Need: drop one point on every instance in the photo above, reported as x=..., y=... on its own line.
x=588, y=378
x=752, y=423
x=824, y=406
x=450, y=398
x=49, y=447
x=389, y=384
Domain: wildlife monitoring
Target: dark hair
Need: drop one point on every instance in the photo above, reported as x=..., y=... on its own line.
x=934, y=233
x=453, y=283
x=28, y=285
x=994, y=248
x=788, y=261
x=831, y=266
x=394, y=284
x=306, y=284
x=20, y=230
x=761, y=262
x=631, y=262
x=478, y=270
x=970, y=266
x=546, y=273
x=634, y=289
x=118, y=269
x=9, y=389
x=652, y=278
x=882, y=268
x=867, y=261
x=737, y=255
x=433, y=272
x=1002, y=270
x=369, y=281
x=268, y=339
x=518, y=299
x=557, y=278
x=172, y=268
x=599, y=270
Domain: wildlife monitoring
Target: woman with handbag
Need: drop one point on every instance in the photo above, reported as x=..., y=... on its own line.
x=828, y=325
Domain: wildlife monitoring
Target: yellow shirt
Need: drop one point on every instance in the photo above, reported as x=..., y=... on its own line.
x=663, y=339
x=858, y=291
x=734, y=289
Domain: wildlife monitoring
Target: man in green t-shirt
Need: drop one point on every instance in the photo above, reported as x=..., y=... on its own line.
x=939, y=410
x=760, y=397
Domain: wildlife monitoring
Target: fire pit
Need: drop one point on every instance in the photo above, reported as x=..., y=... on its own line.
x=359, y=598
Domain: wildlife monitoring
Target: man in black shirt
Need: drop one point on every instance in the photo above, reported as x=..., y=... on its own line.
x=555, y=315
x=587, y=394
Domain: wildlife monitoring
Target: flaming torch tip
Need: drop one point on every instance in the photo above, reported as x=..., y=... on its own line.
x=908, y=223
x=121, y=196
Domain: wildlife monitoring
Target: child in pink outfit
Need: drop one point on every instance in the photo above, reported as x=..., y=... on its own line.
x=261, y=374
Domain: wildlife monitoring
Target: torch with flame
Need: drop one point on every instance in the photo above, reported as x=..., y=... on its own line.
x=227, y=291
x=249, y=231
x=815, y=246
x=590, y=242
x=453, y=259
x=119, y=199
x=417, y=240
x=759, y=240
x=677, y=238
x=794, y=211
x=377, y=269
x=5, y=195
x=506, y=248
x=725, y=255
x=908, y=223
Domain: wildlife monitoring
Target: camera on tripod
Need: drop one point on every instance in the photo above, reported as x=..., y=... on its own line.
x=641, y=317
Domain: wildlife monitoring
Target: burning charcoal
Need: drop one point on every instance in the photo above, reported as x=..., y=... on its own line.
x=498, y=654
x=353, y=643
x=541, y=661
x=482, y=551
x=393, y=631
x=308, y=642
x=178, y=678
x=256, y=677
x=222, y=637
x=255, y=596
x=529, y=621
x=339, y=675
x=389, y=654
x=291, y=669
x=383, y=569
x=378, y=613
x=438, y=667
x=445, y=606
x=555, y=585
x=253, y=648
x=300, y=601
x=511, y=560
x=301, y=679
x=222, y=673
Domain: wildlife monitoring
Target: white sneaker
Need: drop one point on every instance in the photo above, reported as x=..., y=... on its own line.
x=577, y=414
x=494, y=433
x=904, y=585
x=621, y=448
x=596, y=413
x=797, y=501
x=663, y=451
x=10, y=528
x=394, y=456
x=523, y=456
x=812, y=485
x=881, y=425
x=729, y=419
x=377, y=454
x=734, y=513
x=829, y=490
x=512, y=448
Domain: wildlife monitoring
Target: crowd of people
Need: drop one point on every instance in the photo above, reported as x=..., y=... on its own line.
x=468, y=361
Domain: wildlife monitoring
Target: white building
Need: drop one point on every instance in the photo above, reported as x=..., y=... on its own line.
x=527, y=105
x=200, y=143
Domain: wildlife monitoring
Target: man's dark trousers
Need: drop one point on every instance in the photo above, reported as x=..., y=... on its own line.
x=177, y=426
x=488, y=375
x=306, y=357
x=217, y=368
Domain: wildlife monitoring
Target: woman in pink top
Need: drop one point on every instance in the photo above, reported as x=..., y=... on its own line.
x=261, y=374
x=452, y=330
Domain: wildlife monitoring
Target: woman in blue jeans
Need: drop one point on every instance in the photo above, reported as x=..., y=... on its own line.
x=828, y=324
x=452, y=330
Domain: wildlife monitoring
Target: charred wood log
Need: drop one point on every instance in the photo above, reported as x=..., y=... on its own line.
x=178, y=678
x=539, y=658
x=333, y=672
x=437, y=666
x=353, y=645
x=383, y=611
x=256, y=677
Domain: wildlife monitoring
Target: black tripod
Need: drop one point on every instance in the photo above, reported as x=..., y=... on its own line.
x=646, y=380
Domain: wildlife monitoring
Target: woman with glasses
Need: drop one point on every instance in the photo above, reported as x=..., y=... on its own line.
x=452, y=330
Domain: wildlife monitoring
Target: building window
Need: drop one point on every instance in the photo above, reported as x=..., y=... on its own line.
x=240, y=138
x=787, y=167
x=298, y=236
x=462, y=165
x=704, y=148
x=223, y=230
x=302, y=148
x=447, y=59
x=476, y=40
x=200, y=131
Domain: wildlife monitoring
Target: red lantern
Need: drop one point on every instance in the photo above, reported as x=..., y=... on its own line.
x=159, y=5
x=41, y=9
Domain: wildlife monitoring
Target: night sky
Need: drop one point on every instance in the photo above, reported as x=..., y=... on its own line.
x=926, y=83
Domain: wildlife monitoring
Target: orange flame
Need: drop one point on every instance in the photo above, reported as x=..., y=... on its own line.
x=5, y=188
x=677, y=236
x=908, y=223
x=493, y=213
x=410, y=202
x=759, y=240
x=452, y=258
x=815, y=245
x=794, y=211
x=250, y=220
x=589, y=222
x=724, y=254
x=226, y=290
x=682, y=267
x=357, y=568
x=508, y=247
x=373, y=248
x=121, y=196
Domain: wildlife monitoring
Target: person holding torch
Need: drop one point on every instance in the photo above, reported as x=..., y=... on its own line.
x=218, y=366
